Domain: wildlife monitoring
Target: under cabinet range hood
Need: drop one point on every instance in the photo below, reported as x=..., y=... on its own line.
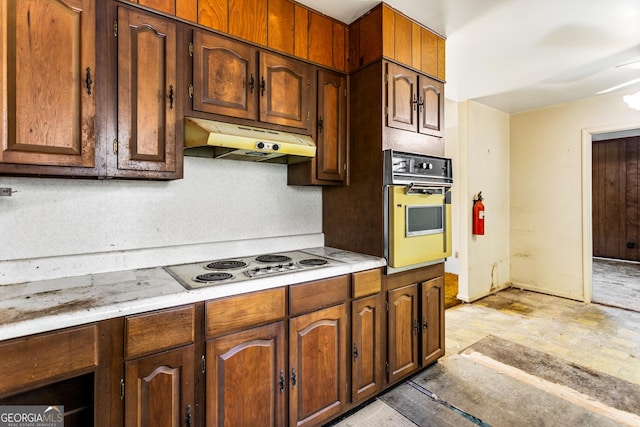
x=208, y=138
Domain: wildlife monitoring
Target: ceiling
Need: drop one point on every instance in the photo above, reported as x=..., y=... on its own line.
x=519, y=55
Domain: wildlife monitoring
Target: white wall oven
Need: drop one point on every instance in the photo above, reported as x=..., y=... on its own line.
x=417, y=210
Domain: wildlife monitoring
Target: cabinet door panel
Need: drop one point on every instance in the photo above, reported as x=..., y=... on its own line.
x=147, y=85
x=366, y=368
x=402, y=333
x=332, y=127
x=431, y=107
x=285, y=91
x=432, y=320
x=246, y=378
x=401, y=98
x=159, y=389
x=224, y=76
x=281, y=23
x=317, y=366
x=48, y=118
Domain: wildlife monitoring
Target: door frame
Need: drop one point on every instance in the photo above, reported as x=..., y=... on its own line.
x=587, y=200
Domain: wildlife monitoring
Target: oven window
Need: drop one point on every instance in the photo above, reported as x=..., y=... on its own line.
x=425, y=219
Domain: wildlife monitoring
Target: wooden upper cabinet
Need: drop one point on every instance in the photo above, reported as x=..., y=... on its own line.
x=384, y=32
x=214, y=14
x=301, y=43
x=401, y=97
x=320, y=39
x=225, y=79
x=248, y=20
x=332, y=126
x=281, y=25
x=431, y=107
x=414, y=102
x=285, y=91
x=147, y=96
x=48, y=78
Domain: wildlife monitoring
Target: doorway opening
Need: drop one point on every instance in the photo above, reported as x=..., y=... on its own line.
x=614, y=211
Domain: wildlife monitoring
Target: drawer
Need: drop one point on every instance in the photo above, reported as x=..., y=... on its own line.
x=159, y=330
x=242, y=311
x=366, y=283
x=315, y=295
x=30, y=360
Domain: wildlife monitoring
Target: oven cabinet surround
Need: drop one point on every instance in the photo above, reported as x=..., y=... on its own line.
x=415, y=320
x=103, y=107
x=69, y=367
x=330, y=165
x=237, y=80
x=159, y=374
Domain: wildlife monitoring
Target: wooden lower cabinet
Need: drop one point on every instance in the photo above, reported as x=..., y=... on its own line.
x=415, y=327
x=317, y=366
x=246, y=372
x=159, y=389
x=366, y=355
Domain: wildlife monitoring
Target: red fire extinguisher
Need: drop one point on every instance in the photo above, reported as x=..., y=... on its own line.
x=478, y=215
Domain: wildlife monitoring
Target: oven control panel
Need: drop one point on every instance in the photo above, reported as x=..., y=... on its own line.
x=416, y=168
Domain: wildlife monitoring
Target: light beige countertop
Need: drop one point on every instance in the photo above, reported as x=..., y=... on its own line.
x=42, y=306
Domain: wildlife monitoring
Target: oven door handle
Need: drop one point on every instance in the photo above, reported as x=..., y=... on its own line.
x=417, y=188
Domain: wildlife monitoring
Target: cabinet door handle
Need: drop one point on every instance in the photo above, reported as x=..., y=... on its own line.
x=416, y=327
x=252, y=84
x=188, y=420
x=294, y=378
x=171, y=97
x=414, y=100
x=425, y=325
x=281, y=382
x=263, y=85
x=320, y=124
x=421, y=103
x=355, y=351
x=88, y=81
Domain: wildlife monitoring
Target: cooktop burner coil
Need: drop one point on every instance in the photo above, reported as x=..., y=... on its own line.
x=230, y=264
x=215, y=276
x=273, y=258
x=313, y=261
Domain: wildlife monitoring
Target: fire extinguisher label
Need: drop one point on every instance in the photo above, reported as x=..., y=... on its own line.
x=481, y=214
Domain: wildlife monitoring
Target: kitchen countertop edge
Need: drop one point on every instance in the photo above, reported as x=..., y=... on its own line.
x=138, y=291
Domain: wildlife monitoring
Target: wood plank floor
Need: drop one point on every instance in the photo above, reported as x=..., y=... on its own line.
x=616, y=283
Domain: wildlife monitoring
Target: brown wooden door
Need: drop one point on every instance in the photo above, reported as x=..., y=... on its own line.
x=332, y=126
x=431, y=107
x=285, y=91
x=616, y=199
x=402, y=98
x=159, y=389
x=147, y=94
x=366, y=356
x=49, y=73
x=246, y=378
x=224, y=76
x=432, y=323
x=402, y=332
x=317, y=366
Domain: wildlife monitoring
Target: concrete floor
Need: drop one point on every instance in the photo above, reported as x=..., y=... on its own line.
x=521, y=358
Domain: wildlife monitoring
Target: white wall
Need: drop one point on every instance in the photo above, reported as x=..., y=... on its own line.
x=482, y=137
x=550, y=182
x=64, y=227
